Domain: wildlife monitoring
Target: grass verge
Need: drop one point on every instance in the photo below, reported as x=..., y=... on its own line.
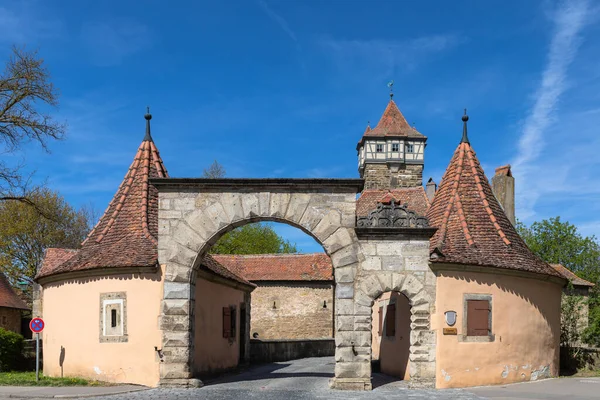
x=28, y=379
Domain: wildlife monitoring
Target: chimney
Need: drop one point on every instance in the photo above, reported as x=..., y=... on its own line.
x=503, y=185
x=430, y=189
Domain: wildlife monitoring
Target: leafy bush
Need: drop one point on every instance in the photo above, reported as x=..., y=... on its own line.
x=11, y=350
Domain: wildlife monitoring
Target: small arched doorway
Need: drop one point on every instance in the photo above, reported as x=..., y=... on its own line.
x=390, y=346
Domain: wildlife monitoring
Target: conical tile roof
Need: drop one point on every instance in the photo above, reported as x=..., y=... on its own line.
x=126, y=235
x=472, y=227
x=393, y=123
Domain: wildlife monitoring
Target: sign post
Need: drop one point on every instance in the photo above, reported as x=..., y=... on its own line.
x=37, y=325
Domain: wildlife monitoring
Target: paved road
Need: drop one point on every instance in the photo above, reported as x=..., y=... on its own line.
x=308, y=379
x=293, y=380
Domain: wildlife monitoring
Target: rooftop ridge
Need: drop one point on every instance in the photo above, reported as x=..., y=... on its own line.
x=271, y=255
x=485, y=202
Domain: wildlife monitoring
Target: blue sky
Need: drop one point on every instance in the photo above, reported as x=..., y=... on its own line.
x=285, y=89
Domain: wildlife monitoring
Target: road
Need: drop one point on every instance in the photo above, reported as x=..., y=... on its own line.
x=308, y=379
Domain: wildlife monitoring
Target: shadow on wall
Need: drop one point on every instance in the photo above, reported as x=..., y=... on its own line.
x=521, y=288
x=61, y=360
x=391, y=335
x=156, y=277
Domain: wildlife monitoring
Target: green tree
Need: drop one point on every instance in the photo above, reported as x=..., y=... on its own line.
x=25, y=232
x=26, y=93
x=257, y=238
x=559, y=242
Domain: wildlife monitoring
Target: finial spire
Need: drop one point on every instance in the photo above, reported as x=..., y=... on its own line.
x=465, y=138
x=391, y=86
x=148, y=117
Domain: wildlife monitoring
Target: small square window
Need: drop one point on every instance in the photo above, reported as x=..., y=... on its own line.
x=379, y=148
x=395, y=147
x=410, y=148
x=113, y=317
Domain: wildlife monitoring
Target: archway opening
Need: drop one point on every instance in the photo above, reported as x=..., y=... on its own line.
x=390, y=344
x=281, y=329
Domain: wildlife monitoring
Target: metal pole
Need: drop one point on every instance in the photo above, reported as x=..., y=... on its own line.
x=37, y=357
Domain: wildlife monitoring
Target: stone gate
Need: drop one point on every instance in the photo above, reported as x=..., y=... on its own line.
x=367, y=260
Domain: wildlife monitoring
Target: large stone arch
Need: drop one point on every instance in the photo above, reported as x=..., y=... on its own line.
x=193, y=214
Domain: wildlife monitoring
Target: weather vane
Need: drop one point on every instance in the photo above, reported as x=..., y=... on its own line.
x=391, y=86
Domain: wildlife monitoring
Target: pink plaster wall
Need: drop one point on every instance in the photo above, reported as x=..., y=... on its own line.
x=525, y=322
x=213, y=352
x=71, y=310
x=392, y=351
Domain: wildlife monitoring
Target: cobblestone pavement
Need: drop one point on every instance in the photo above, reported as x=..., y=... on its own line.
x=308, y=379
x=292, y=380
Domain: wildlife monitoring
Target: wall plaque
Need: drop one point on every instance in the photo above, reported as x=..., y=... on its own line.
x=450, y=331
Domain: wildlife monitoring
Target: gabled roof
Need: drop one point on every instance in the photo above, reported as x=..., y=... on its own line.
x=126, y=234
x=279, y=267
x=414, y=196
x=8, y=297
x=472, y=227
x=214, y=266
x=568, y=274
x=393, y=123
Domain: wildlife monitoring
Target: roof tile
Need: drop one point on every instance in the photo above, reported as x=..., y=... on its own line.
x=279, y=267
x=8, y=297
x=414, y=196
x=568, y=274
x=472, y=227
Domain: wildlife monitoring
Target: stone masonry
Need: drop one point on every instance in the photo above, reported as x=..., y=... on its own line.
x=292, y=310
x=393, y=176
x=194, y=214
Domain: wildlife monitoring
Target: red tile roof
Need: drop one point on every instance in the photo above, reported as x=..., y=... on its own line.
x=228, y=273
x=126, y=234
x=279, y=267
x=414, y=196
x=472, y=227
x=393, y=123
x=8, y=297
x=568, y=274
x=53, y=258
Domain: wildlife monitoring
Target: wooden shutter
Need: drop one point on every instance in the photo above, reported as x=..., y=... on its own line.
x=232, y=325
x=390, y=320
x=380, y=321
x=226, y=322
x=478, y=317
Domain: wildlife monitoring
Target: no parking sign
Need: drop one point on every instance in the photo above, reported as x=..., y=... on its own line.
x=37, y=325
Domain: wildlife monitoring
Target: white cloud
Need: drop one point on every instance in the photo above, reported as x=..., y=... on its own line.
x=382, y=57
x=278, y=19
x=23, y=24
x=569, y=20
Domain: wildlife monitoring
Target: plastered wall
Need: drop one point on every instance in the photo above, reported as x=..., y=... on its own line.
x=71, y=337
x=525, y=325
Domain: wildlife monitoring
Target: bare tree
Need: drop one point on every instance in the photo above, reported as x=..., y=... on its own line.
x=25, y=91
x=215, y=170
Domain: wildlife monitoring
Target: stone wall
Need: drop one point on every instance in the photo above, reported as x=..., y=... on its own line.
x=10, y=319
x=394, y=264
x=264, y=351
x=194, y=215
x=292, y=310
x=384, y=176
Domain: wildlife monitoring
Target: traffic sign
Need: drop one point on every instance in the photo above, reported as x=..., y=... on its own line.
x=37, y=325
